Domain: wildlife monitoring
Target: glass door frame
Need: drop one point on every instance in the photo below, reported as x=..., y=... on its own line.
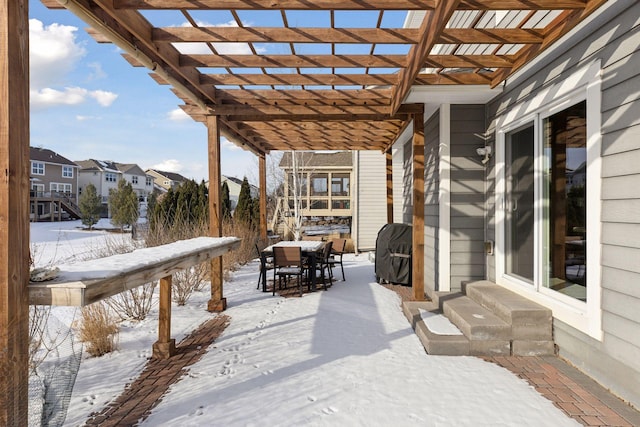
x=583, y=85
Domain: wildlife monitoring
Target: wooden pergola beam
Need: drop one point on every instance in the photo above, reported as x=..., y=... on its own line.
x=302, y=95
x=292, y=79
x=217, y=302
x=14, y=213
x=432, y=25
x=470, y=61
x=342, y=4
x=284, y=35
x=292, y=61
x=262, y=172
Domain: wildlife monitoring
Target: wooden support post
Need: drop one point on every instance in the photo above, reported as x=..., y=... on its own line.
x=217, y=301
x=417, y=274
x=389, y=158
x=165, y=347
x=14, y=212
x=262, y=169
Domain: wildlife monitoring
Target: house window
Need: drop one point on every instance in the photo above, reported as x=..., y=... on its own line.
x=110, y=177
x=57, y=187
x=67, y=172
x=319, y=184
x=134, y=179
x=319, y=204
x=565, y=190
x=340, y=204
x=167, y=182
x=340, y=184
x=298, y=184
x=37, y=190
x=37, y=168
x=149, y=181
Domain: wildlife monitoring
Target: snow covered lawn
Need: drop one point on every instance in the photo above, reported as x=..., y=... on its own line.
x=342, y=357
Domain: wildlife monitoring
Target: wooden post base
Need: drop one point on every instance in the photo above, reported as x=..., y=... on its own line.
x=164, y=350
x=217, y=306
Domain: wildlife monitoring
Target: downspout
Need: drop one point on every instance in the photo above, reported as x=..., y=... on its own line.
x=118, y=40
x=356, y=199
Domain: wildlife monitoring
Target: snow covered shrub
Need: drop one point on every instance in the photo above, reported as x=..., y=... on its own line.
x=135, y=303
x=98, y=329
x=186, y=282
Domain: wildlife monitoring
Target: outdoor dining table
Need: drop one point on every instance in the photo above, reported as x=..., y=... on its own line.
x=309, y=248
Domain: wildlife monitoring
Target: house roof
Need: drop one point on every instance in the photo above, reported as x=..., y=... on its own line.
x=173, y=176
x=276, y=95
x=309, y=159
x=98, y=165
x=48, y=156
x=130, y=168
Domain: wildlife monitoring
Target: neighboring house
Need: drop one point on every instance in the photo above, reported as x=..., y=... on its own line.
x=515, y=216
x=343, y=187
x=54, y=185
x=105, y=175
x=165, y=180
x=235, y=185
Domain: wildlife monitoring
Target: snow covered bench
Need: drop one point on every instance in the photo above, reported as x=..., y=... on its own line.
x=86, y=282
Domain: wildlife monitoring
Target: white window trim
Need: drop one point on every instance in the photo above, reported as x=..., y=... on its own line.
x=444, y=196
x=44, y=168
x=69, y=168
x=584, y=83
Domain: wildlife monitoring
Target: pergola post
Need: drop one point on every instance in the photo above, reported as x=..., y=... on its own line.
x=262, y=170
x=417, y=274
x=165, y=347
x=217, y=302
x=389, y=159
x=14, y=212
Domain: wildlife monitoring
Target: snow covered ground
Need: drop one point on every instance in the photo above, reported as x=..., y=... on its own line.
x=343, y=357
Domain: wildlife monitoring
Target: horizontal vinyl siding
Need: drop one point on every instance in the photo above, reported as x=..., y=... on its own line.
x=407, y=195
x=431, y=199
x=372, y=197
x=467, y=194
x=616, y=44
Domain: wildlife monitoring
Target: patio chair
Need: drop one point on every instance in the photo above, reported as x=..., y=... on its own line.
x=322, y=265
x=337, y=251
x=266, y=264
x=287, y=262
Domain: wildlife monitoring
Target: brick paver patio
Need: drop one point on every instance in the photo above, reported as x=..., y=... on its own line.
x=570, y=390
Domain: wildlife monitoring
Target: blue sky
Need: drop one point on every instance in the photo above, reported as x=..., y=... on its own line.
x=88, y=102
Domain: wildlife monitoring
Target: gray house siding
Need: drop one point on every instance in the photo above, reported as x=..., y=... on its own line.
x=431, y=200
x=614, y=39
x=372, y=209
x=467, y=194
x=407, y=195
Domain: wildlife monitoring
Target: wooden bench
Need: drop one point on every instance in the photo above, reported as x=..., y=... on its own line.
x=86, y=282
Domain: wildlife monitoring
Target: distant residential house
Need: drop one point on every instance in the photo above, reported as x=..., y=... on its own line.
x=54, y=185
x=235, y=184
x=164, y=180
x=342, y=190
x=105, y=175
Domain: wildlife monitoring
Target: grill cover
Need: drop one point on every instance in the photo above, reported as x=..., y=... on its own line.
x=393, y=254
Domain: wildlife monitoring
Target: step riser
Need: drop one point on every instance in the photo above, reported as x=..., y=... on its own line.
x=537, y=332
x=532, y=348
x=490, y=348
x=442, y=345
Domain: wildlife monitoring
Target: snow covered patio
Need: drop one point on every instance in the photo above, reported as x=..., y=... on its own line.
x=346, y=356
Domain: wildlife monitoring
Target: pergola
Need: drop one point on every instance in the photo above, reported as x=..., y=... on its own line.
x=334, y=100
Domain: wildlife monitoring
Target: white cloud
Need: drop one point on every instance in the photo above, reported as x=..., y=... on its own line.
x=81, y=118
x=48, y=97
x=228, y=145
x=221, y=48
x=178, y=115
x=53, y=52
x=97, y=71
x=171, y=165
x=103, y=97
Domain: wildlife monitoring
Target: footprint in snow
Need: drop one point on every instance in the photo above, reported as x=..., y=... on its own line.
x=268, y=372
x=312, y=398
x=330, y=410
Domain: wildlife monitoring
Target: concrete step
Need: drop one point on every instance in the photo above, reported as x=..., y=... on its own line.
x=436, y=344
x=528, y=320
x=487, y=333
